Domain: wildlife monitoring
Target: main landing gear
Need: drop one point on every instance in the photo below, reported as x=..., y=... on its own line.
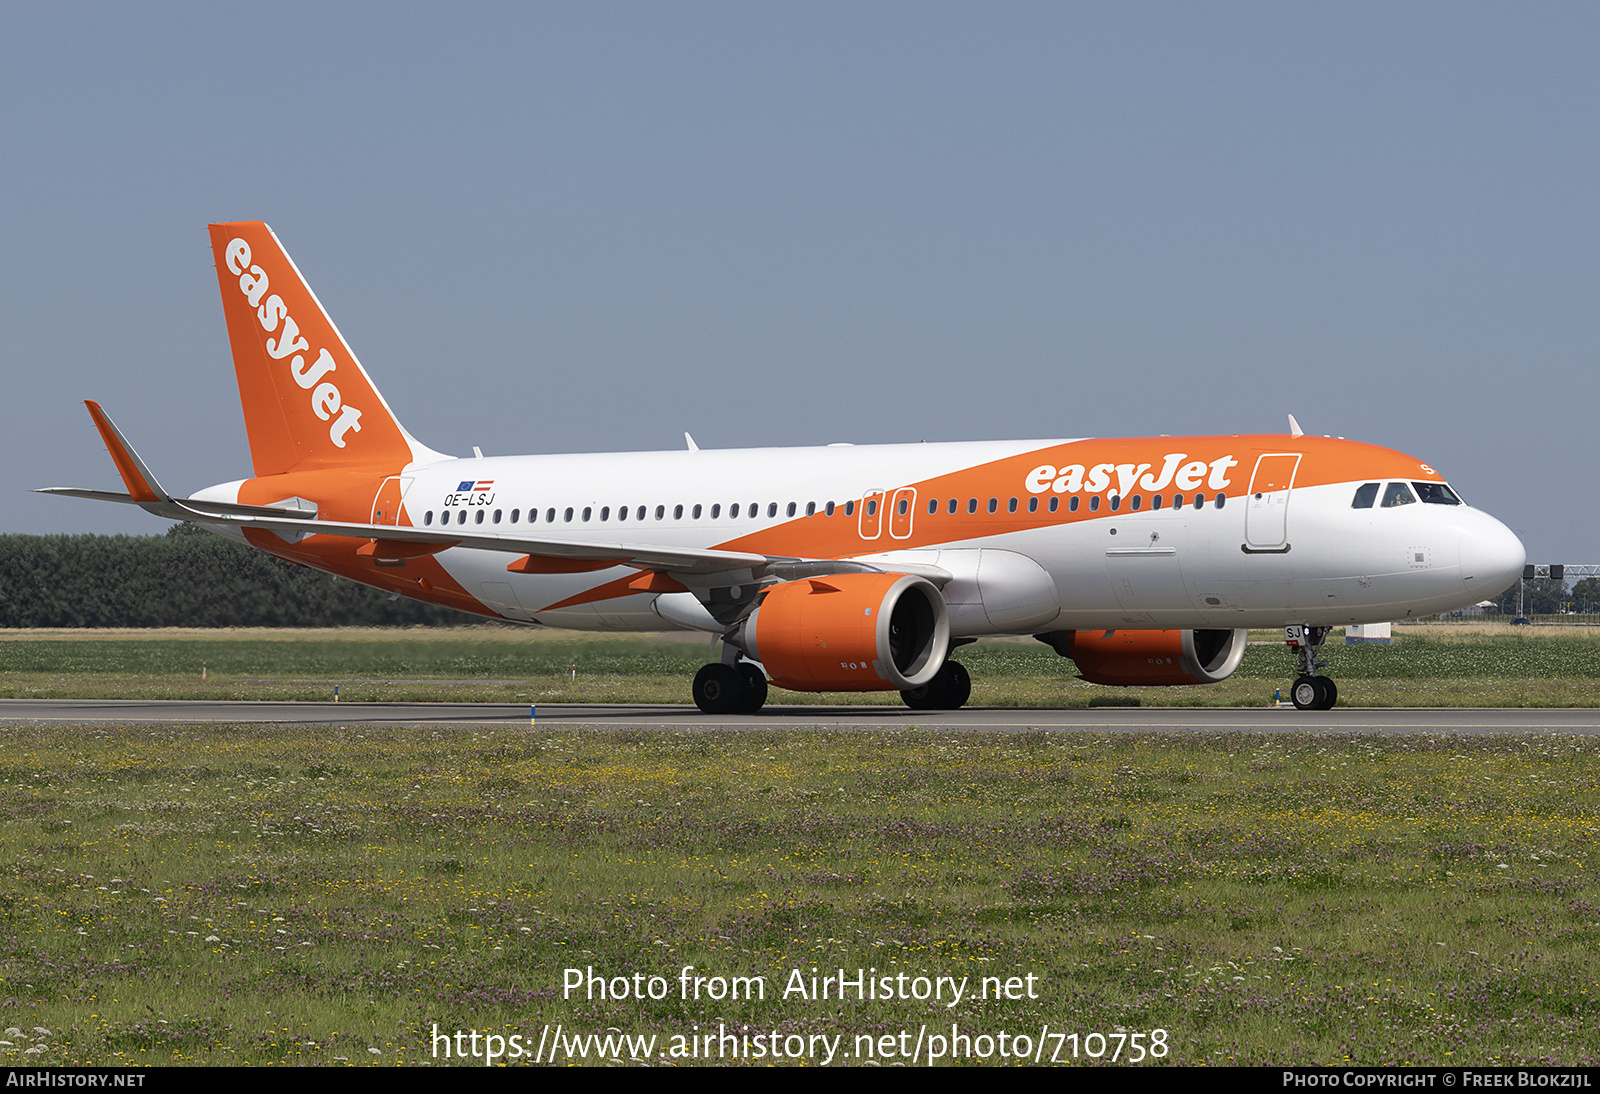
x=950, y=688
x=1311, y=691
x=740, y=688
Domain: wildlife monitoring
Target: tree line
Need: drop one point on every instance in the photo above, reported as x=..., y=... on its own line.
x=1544, y=596
x=185, y=578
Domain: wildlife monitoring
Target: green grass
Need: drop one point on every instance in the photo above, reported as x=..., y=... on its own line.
x=230, y=894
x=1427, y=666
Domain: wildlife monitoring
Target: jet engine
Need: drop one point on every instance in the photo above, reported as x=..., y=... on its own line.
x=849, y=632
x=1128, y=658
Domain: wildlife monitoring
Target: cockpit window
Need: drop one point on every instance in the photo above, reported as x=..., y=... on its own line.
x=1397, y=493
x=1436, y=493
x=1366, y=494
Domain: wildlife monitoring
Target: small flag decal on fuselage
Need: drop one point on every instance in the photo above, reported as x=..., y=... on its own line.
x=481, y=484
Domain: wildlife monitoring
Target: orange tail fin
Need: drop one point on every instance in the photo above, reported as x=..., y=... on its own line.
x=308, y=403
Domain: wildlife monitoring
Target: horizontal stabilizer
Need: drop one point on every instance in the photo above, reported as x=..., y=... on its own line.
x=176, y=508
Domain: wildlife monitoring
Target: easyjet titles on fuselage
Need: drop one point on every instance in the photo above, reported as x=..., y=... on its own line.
x=1074, y=478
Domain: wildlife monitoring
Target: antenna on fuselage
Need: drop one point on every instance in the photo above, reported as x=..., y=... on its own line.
x=1294, y=428
x=692, y=446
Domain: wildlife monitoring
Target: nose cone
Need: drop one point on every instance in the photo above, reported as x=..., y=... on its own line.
x=1492, y=556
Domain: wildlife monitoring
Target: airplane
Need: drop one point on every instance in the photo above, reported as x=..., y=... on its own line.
x=840, y=568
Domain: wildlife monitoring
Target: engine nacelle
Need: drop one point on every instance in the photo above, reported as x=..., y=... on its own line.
x=1129, y=658
x=849, y=632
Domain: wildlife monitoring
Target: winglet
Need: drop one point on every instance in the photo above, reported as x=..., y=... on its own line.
x=141, y=484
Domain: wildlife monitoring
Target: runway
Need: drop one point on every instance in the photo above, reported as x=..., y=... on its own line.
x=1582, y=721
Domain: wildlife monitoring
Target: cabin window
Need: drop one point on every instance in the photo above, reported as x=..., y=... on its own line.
x=811, y=508
x=622, y=512
x=1072, y=503
x=479, y=518
x=733, y=511
x=588, y=511
x=850, y=508
x=994, y=505
x=1116, y=503
x=497, y=516
x=1396, y=494
x=515, y=513
x=790, y=510
x=954, y=505
x=933, y=506
x=1155, y=501
x=1134, y=502
x=695, y=512
x=1094, y=503
x=1436, y=493
x=461, y=517
x=605, y=513
x=772, y=508
x=1011, y=506
x=1055, y=503
x=902, y=506
x=1033, y=505
x=427, y=518
x=1222, y=499
x=677, y=512
x=661, y=512
x=828, y=508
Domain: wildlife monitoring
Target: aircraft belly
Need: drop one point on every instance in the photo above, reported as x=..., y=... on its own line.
x=1146, y=580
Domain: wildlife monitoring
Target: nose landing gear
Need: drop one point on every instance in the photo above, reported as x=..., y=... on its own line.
x=1314, y=693
x=1311, y=691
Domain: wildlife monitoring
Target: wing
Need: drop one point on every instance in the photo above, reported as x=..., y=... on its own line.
x=383, y=541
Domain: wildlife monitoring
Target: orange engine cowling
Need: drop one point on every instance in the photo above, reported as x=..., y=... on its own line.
x=849, y=632
x=1128, y=658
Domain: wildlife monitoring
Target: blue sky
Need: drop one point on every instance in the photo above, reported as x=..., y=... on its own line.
x=574, y=227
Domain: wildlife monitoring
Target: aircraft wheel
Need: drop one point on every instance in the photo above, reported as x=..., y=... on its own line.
x=948, y=690
x=928, y=697
x=958, y=685
x=1330, y=692
x=1308, y=693
x=719, y=689
x=755, y=688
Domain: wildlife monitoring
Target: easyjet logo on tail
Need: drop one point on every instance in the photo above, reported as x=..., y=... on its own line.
x=326, y=402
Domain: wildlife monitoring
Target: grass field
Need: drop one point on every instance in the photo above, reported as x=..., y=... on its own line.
x=233, y=894
x=1446, y=665
x=223, y=894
